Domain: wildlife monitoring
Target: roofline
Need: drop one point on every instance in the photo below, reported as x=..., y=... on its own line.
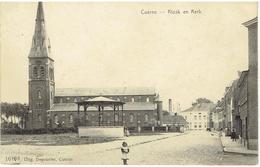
x=250, y=22
x=95, y=110
x=103, y=95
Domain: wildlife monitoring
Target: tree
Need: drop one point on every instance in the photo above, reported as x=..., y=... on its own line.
x=203, y=100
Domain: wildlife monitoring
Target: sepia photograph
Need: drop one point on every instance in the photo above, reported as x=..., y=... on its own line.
x=129, y=83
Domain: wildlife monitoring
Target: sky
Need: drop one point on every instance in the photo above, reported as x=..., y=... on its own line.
x=184, y=56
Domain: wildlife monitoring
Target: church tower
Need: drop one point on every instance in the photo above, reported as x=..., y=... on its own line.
x=41, y=74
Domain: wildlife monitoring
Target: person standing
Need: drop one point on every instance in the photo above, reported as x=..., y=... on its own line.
x=124, y=151
x=233, y=135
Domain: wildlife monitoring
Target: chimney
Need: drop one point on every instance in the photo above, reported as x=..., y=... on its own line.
x=170, y=105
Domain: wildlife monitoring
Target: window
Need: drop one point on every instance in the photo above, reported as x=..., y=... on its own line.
x=199, y=126
x=61, y=101
x=86, y=117
x=75, y=99
x=199, y=117
x=68, y=98
x=146, y=117
x=56, y=119
x=195, y=117
x=71, y=118
x=131, y=118
x=204, y=117
x=51, y=74
x=39, y=95
x=195, y=126
x=35, y=72
x=133, y=99
x=42, y=71
x=116, y=117
x=39, y=117
x=147, y=99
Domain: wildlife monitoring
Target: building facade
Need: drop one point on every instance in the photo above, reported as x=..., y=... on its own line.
x=198, y=116
x=252, y=95
x=141, y=109
x=55, y=108
x=240, y=107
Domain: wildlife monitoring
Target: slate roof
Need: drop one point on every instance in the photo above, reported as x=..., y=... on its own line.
x=105, y=91
x=200, y=107
x=127, y=106
x=173, y=119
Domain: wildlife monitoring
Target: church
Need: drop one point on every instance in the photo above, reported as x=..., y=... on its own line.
x=51, y=107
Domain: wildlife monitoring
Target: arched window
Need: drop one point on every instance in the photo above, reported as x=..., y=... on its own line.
x=71, y=118
x=51, y=74
x=56, y=119
x=35, y=71
x=146, y=118
x=42, y=71
x=131, y=118
x=116, y=117
x=39, y=94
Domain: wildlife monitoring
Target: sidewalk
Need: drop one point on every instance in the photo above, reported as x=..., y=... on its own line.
x=230, y=146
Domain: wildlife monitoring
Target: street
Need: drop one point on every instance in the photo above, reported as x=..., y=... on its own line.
x=191, y=148
x=194, y=148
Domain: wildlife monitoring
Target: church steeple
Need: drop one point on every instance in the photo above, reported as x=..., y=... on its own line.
x=40, y=43
x=41, y=74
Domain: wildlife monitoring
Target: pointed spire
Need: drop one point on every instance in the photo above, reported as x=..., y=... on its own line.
x=40, y=44
x=40, y=13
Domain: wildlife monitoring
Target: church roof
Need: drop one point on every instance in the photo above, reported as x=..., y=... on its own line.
x=136, y=106
x=105, y=91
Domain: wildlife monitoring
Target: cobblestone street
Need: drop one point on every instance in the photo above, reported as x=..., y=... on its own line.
x=192, y=148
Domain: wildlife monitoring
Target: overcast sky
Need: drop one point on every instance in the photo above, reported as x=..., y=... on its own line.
x=184, y=56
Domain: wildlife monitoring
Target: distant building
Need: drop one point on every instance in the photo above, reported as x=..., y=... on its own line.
x=198, y=116
x=241, y=117
x=174, y=122
x=230, y=106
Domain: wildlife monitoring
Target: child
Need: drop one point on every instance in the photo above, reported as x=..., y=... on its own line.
x=125, y=151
